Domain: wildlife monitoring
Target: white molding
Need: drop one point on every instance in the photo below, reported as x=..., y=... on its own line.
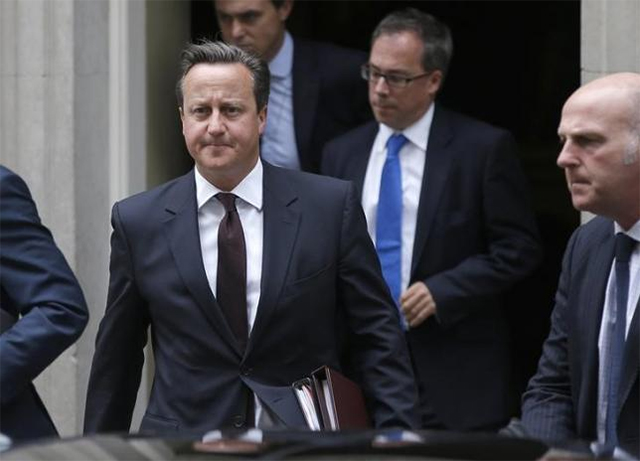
x=128, y=122
x=127, y=98
x=118, y=95
x=610, y=42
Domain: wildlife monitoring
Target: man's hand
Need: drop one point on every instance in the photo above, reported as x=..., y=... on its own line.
x=417, y=304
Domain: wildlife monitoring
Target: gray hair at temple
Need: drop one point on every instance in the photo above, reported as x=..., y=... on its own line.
x=208, y=52
x=435, y=36
x=632, y=152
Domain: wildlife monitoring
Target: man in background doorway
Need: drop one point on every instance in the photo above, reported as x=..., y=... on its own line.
x=316, y=91
x=448, y=207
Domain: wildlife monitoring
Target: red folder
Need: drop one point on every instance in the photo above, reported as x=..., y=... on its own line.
x=337, y=401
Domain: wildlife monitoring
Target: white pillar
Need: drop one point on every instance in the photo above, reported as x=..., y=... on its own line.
x=610, y=38
x=72, y=124
x=43, y=79
x=610, y=41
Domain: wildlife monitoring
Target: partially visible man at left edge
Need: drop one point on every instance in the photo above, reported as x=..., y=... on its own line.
x=42, y=310
x=248, y=274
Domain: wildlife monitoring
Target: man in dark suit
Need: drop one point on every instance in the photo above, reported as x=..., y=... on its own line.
x=42, y=310
x=586, y=386
x=250, y=276
x=464, y=227
x=316, y=92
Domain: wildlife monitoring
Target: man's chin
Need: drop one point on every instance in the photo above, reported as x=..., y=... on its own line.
x=392, y=122
x=249, y=47
x=581, y=203
x=215, y=151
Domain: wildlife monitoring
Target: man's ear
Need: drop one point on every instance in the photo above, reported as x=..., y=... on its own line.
x=285, y=10
x=435, y=82
x=181, y=111
x=632, y=152
x=262, y=120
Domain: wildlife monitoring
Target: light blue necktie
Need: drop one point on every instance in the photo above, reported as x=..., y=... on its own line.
x=389, y=219
x=624, y=248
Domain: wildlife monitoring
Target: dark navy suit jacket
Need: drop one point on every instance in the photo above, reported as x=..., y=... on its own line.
x=561, y=400
x=329, y=96
x=40, y=293
x=321, y=286
x=475, y=237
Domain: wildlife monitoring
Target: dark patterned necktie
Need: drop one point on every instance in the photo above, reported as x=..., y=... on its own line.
x=231, y=283
x=624, y=248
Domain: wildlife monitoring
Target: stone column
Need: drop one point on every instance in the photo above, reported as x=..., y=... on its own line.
x=54, y=119
x=66, y=127
x=610, y=37
x=610, y=41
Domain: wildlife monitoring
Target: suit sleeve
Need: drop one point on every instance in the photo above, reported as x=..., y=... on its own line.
x=38, y=286
x=122, y=335
x=513, y=248
x=547, y=406
x=378, y=350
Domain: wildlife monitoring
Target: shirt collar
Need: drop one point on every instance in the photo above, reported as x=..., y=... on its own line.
x=417, y=134
x=633, y=232
x=282, y=63
x=249, y=189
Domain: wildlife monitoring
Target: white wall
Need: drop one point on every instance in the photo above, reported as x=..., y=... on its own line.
x=60, y=114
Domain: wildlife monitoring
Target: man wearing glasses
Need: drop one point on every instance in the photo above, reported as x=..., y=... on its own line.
x=448, y=209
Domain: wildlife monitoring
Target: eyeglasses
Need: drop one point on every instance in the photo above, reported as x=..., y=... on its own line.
x=393, y=80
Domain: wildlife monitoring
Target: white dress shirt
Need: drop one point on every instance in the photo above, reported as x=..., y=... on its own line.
x=412, y=165
x=210, y=214
x=279, y=138
x=608, y=319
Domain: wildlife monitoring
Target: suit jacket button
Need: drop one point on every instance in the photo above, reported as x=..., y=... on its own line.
x=238, y=421
x=246, y=371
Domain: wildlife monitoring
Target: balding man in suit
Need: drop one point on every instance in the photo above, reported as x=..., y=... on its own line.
x=586, y=386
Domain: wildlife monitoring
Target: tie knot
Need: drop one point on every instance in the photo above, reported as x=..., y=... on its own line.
x=228, y=201
x=395, y=143
x=624, y=247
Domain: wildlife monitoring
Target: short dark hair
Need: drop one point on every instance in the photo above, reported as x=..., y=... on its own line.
x=209, y=52
x=435, y=36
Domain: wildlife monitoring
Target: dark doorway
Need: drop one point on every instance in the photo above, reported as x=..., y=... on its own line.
x=514, y=65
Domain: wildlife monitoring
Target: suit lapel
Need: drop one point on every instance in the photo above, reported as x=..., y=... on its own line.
x=281, y=220
x=181, y=228
x=436, y=171
x=589, y=316
x=598, y=271
x=306, y=86
x=356, y=162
